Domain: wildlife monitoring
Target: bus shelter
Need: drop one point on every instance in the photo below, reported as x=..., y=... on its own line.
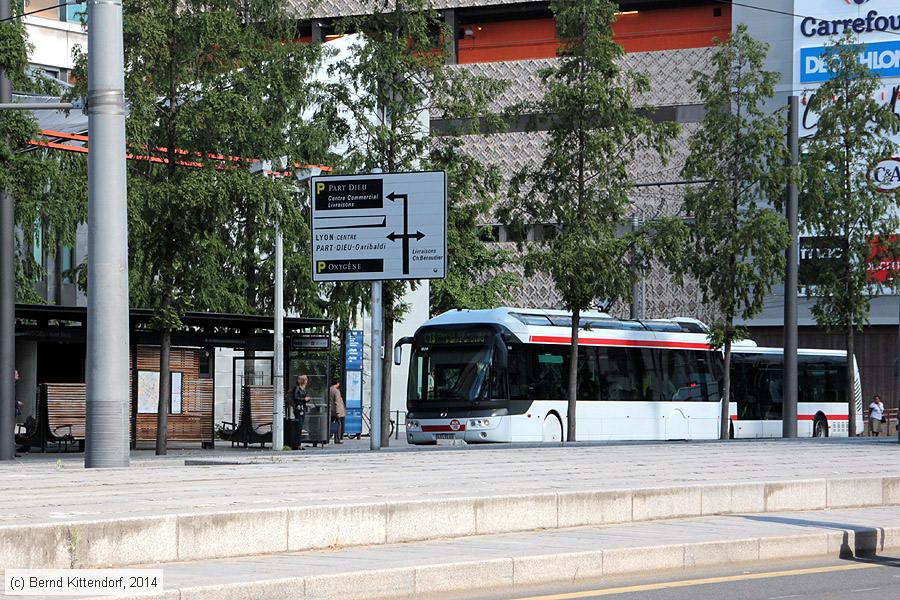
x=50, y=360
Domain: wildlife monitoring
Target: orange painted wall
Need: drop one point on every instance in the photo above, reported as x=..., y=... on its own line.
x=663, y=29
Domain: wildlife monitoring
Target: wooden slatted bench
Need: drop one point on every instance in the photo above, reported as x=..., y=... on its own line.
x=254, y=426
x=65, y=407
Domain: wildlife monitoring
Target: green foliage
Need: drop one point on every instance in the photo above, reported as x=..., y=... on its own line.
x=210, y=84
x=736, y=241
x=46, y=186
x=475, y=275
x=583, y=182
x=838, y=199
x=394, y=83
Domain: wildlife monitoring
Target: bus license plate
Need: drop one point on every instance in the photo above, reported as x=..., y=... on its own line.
x=444, y=436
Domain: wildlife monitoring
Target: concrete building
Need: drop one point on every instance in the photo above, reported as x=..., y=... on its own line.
x=54, y=33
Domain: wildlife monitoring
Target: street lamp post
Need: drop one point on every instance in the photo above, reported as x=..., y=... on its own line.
x=264, y=167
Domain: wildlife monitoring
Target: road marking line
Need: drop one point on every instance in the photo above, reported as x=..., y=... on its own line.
x=706, y=581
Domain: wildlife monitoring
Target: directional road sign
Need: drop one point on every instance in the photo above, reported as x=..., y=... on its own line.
x=379, y=226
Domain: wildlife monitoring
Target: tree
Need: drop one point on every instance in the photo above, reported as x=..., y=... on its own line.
x=211, y=83
x=394, y=82
x=582, y=184
x=48, y=187
x=839, y=201
x=736, y=240
x=475, y=272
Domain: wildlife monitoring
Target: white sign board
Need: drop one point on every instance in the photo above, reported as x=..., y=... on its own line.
x=379, y=226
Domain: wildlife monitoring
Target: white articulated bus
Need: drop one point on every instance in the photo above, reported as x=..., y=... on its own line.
x=757, y=376
x=500, y=376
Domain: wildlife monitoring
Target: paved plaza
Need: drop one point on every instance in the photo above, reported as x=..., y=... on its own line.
x=53, y=488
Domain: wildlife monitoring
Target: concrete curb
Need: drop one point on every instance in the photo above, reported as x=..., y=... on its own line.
x=523, y=572
x=196, y=536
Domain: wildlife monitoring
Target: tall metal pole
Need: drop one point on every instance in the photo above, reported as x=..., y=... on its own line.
x=897, y=395
x=790, y=388
x=278, y=363
x=7, y=297
x=377, y=354
x=107, y=312
x=637, y=288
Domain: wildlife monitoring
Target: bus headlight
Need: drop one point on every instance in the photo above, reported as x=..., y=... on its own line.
x=479, y=423
x=412, y=424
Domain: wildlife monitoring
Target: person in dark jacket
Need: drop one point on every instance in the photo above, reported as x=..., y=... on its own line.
x=299, y=397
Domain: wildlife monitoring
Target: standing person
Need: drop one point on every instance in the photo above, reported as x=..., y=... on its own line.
x=876, y=416
x=299, y=397
x=338, y=410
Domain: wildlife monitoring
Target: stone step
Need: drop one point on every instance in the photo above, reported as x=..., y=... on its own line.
x=514, y=561
x=221, y=534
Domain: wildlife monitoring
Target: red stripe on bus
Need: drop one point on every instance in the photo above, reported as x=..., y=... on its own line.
x=558, y=339
x=433, y=428
x=829, y=417
x=805, y=418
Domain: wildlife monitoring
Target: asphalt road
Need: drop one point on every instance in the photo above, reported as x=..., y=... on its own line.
x=876, y=579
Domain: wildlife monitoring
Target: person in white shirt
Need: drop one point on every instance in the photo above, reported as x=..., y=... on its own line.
x=876, y=416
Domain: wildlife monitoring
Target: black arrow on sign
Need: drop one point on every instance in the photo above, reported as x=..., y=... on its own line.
x=406, y=235
x=394, y=236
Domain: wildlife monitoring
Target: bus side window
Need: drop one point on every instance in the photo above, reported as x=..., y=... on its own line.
x=518, y=362
x=588, y=386
x=707, y=376
x=620, y=373
x=550, y=374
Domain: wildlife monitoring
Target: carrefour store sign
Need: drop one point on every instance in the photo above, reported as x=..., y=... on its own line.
x=875, y=23
x=863, y=21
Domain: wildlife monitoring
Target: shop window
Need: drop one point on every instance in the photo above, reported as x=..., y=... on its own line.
x=73, y=12
x=66, y=262
x=37, y=243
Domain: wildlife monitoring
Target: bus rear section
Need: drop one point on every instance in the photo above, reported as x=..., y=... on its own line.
x=757, y=385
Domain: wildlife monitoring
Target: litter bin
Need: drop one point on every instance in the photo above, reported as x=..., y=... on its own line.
x=317, y=425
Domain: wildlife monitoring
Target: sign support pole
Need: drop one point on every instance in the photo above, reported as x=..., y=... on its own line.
x=789, y=392
x=278, y=363
x=377, y=343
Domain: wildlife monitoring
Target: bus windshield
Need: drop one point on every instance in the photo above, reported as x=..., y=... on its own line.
x=456, y=373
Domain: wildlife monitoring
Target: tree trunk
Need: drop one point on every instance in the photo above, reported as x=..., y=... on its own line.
x=851, y=385
x=572, y=392
x=386, y=364
x=725, y=417
x=165, y=392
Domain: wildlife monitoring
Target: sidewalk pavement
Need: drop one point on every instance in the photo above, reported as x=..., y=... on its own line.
x=165, y=511
x=519, y=560
x=49, y=492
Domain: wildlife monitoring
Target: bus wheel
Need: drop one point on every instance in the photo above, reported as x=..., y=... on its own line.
x=552, y=429
x=820, y=426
